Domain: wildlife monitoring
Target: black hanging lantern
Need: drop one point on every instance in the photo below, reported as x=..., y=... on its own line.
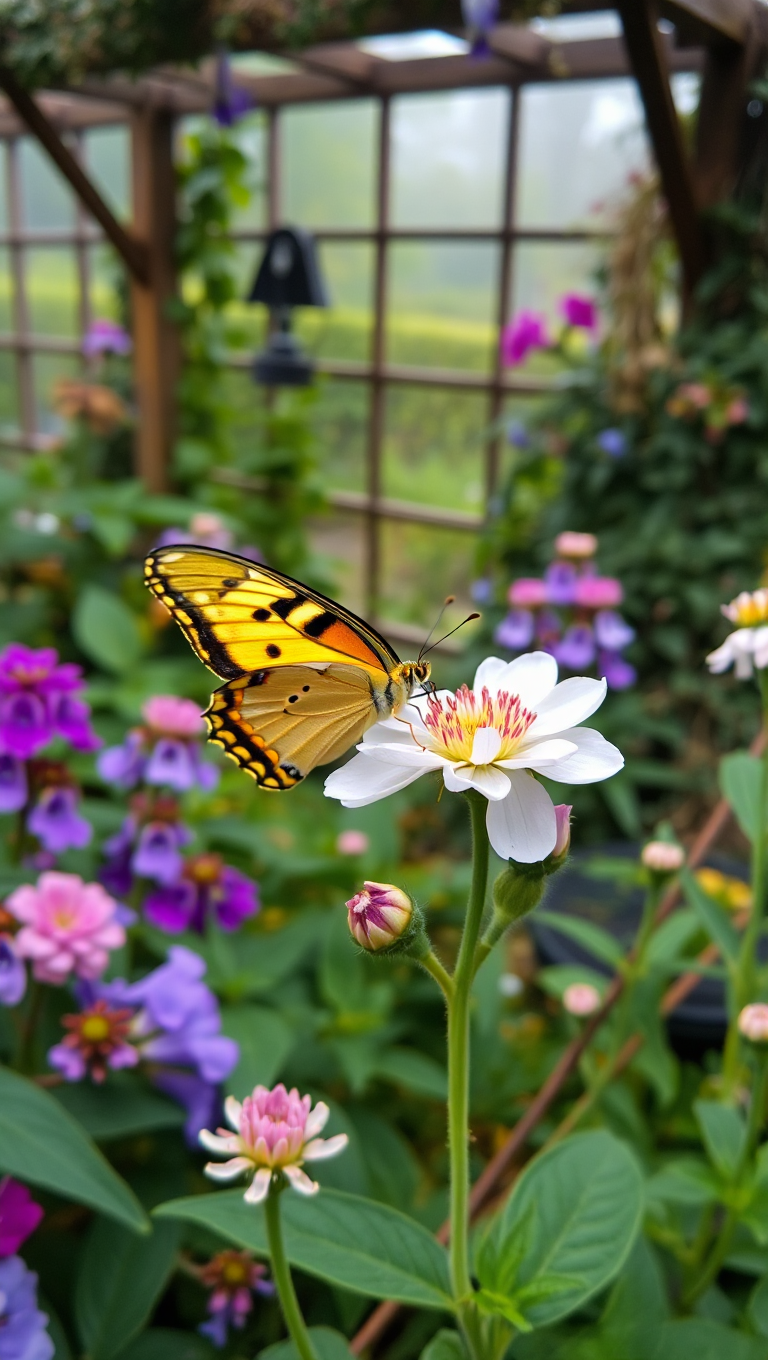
x=288, y=277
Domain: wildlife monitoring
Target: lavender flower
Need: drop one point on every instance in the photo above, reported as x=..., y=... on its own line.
x=148, y=844
x=13, y=974
x=233, y=1277
x=576, y=649
x=560, y=579
x=206, y=887
x=23, y=1334
x=611, y=630
x=518, y=435
x=613, y=442
x=231, y=101
x=166, y=751
x=13, y=784
x=56, y=822
x=106, y=337
x=617, y=672
x=515, y=632
x=38, y=702
x=479, y=17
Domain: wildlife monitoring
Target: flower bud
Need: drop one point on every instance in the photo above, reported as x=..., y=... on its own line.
x=352, y=842
x=563, y=841
x=572, y=544
x=517, y=890
x=581, y=998
x=379, y=916
x=753, y=1022
x=661, y=857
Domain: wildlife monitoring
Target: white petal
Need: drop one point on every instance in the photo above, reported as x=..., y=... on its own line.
x=523, y=827
x=594, y=759
x=321, y=1148
x=487, y=779
x=532, y=677
x=760, y=648
x=538, y=754
x=259, y=1187
x=300, y=1181
x=316, y=1120
x=213, y=1142
x=227, y=1171
x=410, y=756
x=488, y=675
x=485, y=746
x=232, y=1112
x=389, y=729
x=363, y=780
x=723, y=656
x=571, y=702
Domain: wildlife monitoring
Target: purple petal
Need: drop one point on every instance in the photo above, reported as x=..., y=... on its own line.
x=71, y=719
x=57, y=823
x=515, y=632
x=24, y=725
x=576, y=649
x=171, y=763
x=13, y=974
x=615, y=670
x=200, y=1099
x=69, y=1061
x=122, y=765
x=236, y=900
x=171, y=907
x=13, y=784
x=611, y=630
x=157, y=853
x=560, y=579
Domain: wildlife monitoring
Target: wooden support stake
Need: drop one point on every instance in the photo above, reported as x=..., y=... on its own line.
x=728, y=71
x=157, y=347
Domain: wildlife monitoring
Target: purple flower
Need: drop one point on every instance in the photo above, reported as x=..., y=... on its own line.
x=579, y=311
x=207, y=888
x=576, y=649
x=527, y=331
x=157, y=854
x=97, y=1039
x=106, y=337
x=612, y=631
x=19, y=1215
x=231, y=101
x=57, y=823
x=479, y=17
x=548, y=628
x=123, y=765
x=165, y=752
x=560, y=580
x=518, y=435
x=13, y=784
x=200, y=1099
x=233, y=1277
x=23, y=1334
x=13, y=977
x=515, y=632
x=613, y=442
x=37, y=703
x=615, y=670
x=481, y=590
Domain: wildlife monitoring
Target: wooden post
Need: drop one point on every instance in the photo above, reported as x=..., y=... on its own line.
x=720, y=129
x=157, y=347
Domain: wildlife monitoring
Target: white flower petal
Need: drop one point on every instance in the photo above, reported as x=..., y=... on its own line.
x=538, y=755
x=523, y=827
x=300, y=1180
x=389, y=729
x=532, y=677
x=760, y=648
x=485, y=746
x=316, y=1120
x=319, y=1149
x=488, y=675
x=594, y=759
x=213, y=1142
x=570, y=702
x=487, y=779
x=363, y=780
x=232, y=1112
x=227, y=1171
x=392, y=754
x=259, y=1187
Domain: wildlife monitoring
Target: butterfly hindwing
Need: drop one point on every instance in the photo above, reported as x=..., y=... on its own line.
x=279, y=724
x=242, y=617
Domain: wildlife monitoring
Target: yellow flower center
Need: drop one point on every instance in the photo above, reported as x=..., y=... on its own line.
x=749, y=608
x=235, y=1272
x=453, y=722
x=95, y=1029
x=63, y=918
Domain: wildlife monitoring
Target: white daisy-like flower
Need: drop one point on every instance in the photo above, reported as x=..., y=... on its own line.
x=515, y=722
x=747, y=648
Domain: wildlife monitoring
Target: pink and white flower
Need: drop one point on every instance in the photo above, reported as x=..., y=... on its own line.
x=581, y=998
x=68, y=926
x=753, y=1022
x=747, y=648
x=275, y=1132
x=515, y=723
x=379, y=915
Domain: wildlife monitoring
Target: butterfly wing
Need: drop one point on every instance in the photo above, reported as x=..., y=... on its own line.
x=242, y=617
x=279, y=724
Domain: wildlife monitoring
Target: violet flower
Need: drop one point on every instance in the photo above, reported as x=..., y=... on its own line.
x=560, y=580
x=231, y=101
x=56, y=822
x=23, y=1334
x=479, y=18
x=515, y=632
x=97, y=1038
x=13, y=975
x=527, y=331
x=148, y=845
x=576, y=649
x=233, y=1277
x=166, y=751
x=613, y=442
x=579, y=311
x=206, y=888
x=617, y=672
x=13, y=784
x=612, y=631
x=19, y=1215
x=38, y=702
x=106, y=337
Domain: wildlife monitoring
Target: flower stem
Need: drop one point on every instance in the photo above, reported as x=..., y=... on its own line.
x=458, y=1059
x=431, y=963
x=281, y=1274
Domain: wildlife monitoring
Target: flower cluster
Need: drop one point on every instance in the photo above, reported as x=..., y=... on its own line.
x=718, y=405
x=571, y=613
x=233, y=1277
x=747, y=647
x=528, y=331
x=165, y=751
x=23, y=1327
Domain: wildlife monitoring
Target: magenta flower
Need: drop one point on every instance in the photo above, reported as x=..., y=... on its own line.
x=56, y=822
x=205, y=887
x=233, y=1277
x=579, y=311
x=19, y=1215
x=37, y=702
x=96, y=1039
x=106, y=337
x=526, y=332
x=13, y=784
x=68, y=926
x=166, y=751
x=274, y=1132
x=529, y=592
x=598, y=592
x=561, y=583
x=379, y=915
x=13, y=974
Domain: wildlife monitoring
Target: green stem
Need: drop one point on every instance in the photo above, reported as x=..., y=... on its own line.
x=281, y=1274
x=458, y=1064
x=434, y=967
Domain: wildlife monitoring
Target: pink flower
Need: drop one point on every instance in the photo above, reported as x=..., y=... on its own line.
x=173, y=717
x=738, y=411
x=378, y=915
x=698, y=394
x=598, y=592
x=572, y=544
x=662, y=857
x=19, y=1215
x=527, y=331
x=68, y=927
x=352, y=843
x=579, y=311
x=581, y=998
x=563, y=818
x=753, y=1022
x=527, y=593
x=275, y=1133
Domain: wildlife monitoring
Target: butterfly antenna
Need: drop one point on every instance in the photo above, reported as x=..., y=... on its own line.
x=425, y=650
x=449, y=599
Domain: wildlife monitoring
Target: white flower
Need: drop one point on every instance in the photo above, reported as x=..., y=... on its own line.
x=517, y=721
x=748, y=646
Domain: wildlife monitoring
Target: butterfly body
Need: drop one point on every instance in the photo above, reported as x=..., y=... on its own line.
x=304, y=677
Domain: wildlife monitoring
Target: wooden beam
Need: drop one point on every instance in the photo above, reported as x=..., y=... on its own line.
x=646, y=52
x=710, y=21
x=157, y=346
x=723, y=126
x=133, y=252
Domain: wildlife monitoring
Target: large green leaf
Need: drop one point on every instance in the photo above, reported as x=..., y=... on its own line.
x=702, y=1339
x=248, y=964
x=445, y=1345
x=345, y=1239
x=121, y=1277
x=740, y=782
x=567, y=1229
x=327, y=1344
x=42, y=1144
x=591, y=937
x=724, y=1131
x=119, y=1109
x=264, y=1040
x=413, y=1071
x=107, y=630
x=162, y=1343
x=684, y=1180
x=712, y=917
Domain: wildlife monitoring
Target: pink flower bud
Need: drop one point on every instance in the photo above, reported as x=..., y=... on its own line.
x=753, y=1022
x=662, y=857
x=379, y=915
x=563, y=819
x=581, y=998
x=527, y=593
x=598, y=592
x=571, y=544
x=352, y=842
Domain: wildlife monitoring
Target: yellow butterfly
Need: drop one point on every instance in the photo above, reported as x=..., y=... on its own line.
x=305, y=678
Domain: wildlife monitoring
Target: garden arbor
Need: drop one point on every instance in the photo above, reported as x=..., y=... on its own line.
x=723, y=40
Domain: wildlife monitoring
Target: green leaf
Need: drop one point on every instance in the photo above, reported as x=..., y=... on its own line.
x=567, y=1229
x=445, y=1345
x=685, y=1338
x=121, y=1277
x=162, y=1343
x=686, y=1180
x=264, y=1039
x=345, y=1239
x=672, y=936
x=723, y=1130
x=42, y=1144
x=591, y=937
x=249, y=964
x=556, y=978
x=107, y=630
x=758, y=1307
x=118, y=1110
x=413, y=1071
x=740, y=776
x=712, y=917
x=327, y=1344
